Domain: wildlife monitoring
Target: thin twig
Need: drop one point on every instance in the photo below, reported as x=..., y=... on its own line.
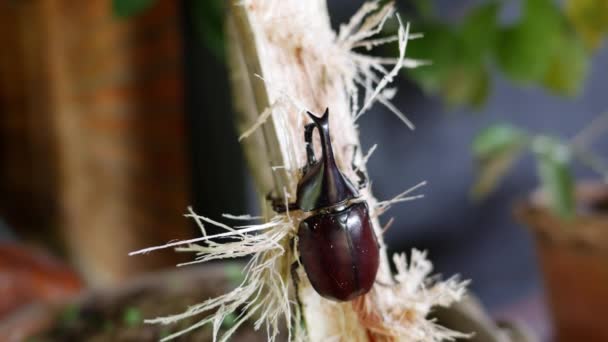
x=592, y=131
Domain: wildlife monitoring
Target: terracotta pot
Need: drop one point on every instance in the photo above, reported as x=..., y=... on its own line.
x=29, y=275
x=574, y=260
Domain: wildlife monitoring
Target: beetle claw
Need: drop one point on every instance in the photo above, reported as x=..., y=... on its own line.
x=294, y=272
x=278, y=204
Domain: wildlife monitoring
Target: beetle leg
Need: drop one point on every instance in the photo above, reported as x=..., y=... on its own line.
x=278, y=204
x=294, y=273
x=280, y=207
x=295, y=278
x=295, y=264
x=362, y=177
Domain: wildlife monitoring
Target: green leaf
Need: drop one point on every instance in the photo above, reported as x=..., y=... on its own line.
x=492, y=169
x=496, y=149
x=440, y=47
x=496, y=139
x=479, y=32
x=466, y=86
x=590, y=19
x=553, y=160
x=164, y=332
x=108, y=326
x=424, y=8
x=229, y=321
x=458, y=72
x=568, y=67
x=70, y=314
x=234, y=273
x=465, y=79
x=129, y=8
x=524, y=51
x=545, y=13
x=132, y=316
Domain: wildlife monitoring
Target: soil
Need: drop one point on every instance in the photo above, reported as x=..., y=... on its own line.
x=117, y=315
x=587, y=231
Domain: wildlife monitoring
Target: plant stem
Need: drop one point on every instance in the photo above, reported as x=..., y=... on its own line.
x=581, y=142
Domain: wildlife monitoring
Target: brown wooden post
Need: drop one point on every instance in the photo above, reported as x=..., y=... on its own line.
x=27, y=150
x=113, y=94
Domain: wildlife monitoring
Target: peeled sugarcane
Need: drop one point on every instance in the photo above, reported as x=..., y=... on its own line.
x=285, y=61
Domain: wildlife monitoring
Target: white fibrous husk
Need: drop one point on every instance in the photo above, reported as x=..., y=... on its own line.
x=264, y=292
x=399, y=312
x=330, y=71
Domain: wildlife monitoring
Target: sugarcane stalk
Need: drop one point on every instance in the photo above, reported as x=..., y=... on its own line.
x=279, y=70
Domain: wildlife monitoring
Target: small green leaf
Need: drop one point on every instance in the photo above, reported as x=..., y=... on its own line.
x=234, y=273
x=108, y=326
x=424, y=8
x=132, y=317
x=458, y=72
x=525, y=50
x=129, y=8
x=70, y=314
x=164, y=332
x=479, y=32
x=590, y=20
x=568, y=67
x=466, y=86
x=553, y=160
x=546, y=13
x=440, y=47
x=497, y=138
x=496, y=149
x=492, y=169
x=229, y=321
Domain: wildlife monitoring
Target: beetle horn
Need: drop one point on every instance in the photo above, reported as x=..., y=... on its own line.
x=322, y=124
x=326, y=114
x=319, y=121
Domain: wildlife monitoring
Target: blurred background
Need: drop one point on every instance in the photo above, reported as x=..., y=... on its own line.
x=116, y=115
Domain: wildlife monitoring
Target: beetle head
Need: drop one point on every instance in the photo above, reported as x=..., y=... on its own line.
x=323, y=184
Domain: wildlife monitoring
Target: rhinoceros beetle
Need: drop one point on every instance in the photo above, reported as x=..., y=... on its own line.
x=337, y=244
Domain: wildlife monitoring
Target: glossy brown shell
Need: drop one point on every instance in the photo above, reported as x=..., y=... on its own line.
x=339, y=252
